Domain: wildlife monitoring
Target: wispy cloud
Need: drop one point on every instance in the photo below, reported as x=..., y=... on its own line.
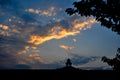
x=66, y=47
x=74, y=40
x=49, y=12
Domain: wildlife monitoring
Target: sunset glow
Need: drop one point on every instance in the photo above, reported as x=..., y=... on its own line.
x=39, y=34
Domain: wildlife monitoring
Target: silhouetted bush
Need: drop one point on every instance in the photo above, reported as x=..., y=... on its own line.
x=115, y=62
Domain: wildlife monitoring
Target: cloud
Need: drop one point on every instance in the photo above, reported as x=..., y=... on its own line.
x=90, y=62
x=21, y=43
x=86, y=62
x=4, y=30
x=28, y=18
x=39, y=65
x=9, y=49
x=18, y=66
x=80, y=60
x=9, y=7
x=36, y=57
x=74, y=40
x=37, y=40
x=59, y=31
x=14, y=47
x=50, y=12
x=66, y=47
x=5, y=2
x=21, y=32
x=4, y=27
x=15, y=51
x=21, y=66
x=8, y=30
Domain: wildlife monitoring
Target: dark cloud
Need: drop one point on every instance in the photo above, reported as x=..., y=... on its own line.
x=9, y=48
x=18, y=66
x=9, y=5
x=5, y=2
x=10, y=8
x=28, y=18
x=96, y=68
x=76, y=60
x=79, y=60
x=65, y=24
x=21, y=66
x=38, y=65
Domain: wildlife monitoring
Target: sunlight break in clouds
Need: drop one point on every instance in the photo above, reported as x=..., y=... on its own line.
x=58, y=32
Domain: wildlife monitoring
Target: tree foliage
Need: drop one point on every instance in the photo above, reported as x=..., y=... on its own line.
x=105, y=11
x=115, y=62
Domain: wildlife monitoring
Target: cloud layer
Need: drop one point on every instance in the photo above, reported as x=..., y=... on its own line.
x=59, y=31
x=21, y=32
x=25, y=28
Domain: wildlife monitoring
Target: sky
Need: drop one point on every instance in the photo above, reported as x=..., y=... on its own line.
x=39, y=34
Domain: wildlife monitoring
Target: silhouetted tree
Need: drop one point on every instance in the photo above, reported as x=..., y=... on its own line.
x=105, y=11
x=115, y=62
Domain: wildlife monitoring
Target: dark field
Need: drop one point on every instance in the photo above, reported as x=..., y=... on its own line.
x=61, y=74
